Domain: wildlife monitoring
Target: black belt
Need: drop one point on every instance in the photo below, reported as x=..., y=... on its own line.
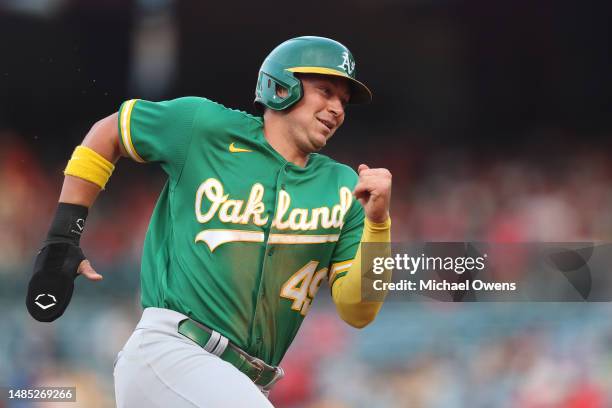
x=214, y=342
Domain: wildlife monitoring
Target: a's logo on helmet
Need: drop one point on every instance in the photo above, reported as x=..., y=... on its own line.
x=348, y=65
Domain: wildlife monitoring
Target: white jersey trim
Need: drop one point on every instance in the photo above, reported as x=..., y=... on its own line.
x=126, y=136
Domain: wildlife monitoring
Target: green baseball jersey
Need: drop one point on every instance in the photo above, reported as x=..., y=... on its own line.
x=240, y=239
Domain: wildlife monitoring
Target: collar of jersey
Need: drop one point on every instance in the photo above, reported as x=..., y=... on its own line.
x=281, y=159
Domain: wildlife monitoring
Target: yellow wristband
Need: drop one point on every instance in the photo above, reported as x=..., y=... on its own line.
x=87, y=164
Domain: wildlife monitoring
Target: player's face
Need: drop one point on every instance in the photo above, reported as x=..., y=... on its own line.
x=320, y=112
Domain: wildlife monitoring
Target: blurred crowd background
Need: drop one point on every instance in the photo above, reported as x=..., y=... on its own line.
x=494, y=118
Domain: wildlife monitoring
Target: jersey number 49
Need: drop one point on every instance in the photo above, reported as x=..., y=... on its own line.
x=302, y=286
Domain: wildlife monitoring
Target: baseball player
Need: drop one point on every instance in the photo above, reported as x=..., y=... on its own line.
x=248, y=225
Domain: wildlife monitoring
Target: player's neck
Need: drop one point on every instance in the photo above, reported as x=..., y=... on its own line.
x=276, y=136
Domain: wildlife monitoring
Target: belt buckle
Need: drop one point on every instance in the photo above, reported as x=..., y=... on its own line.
x=278, y=374
x=261, y=366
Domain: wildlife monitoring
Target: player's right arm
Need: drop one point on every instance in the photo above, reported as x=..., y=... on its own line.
x=61, y=258
x=143, y=131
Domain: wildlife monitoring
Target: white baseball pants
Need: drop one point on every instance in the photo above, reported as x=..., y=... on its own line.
x=158, y=367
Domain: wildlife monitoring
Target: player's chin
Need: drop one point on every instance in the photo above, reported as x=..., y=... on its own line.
x=318, y=140
x=326, y=134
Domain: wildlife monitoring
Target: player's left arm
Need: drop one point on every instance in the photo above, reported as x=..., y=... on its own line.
x=373, y=191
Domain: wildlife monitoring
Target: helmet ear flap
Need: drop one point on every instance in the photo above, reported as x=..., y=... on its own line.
x=267, y=84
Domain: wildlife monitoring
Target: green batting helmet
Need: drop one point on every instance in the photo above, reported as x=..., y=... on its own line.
x=307, y=55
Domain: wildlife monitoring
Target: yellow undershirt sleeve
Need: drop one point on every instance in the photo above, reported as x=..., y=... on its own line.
x=346, y=288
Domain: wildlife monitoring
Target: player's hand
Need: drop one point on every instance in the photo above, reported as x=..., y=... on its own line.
x=51, y=286
x=373, y=190
x=88, y=271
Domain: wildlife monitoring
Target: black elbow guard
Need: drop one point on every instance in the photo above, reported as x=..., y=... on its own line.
x=51, y=286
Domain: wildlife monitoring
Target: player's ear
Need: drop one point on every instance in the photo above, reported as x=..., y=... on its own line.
x=281, y=91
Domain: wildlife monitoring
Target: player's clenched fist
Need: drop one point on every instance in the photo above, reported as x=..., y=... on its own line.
x=373, y=190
